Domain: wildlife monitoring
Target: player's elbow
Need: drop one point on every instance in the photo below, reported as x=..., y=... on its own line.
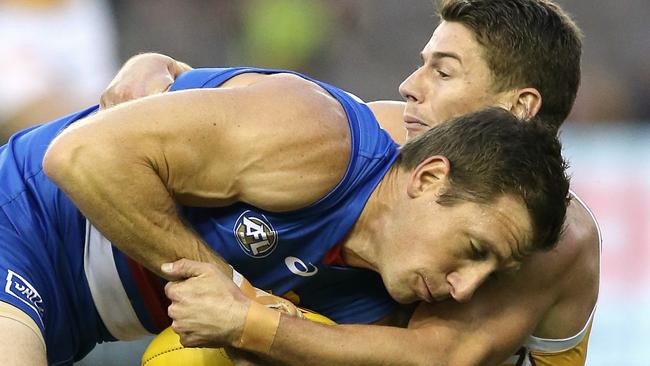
x=58, y=158
x=68, y=156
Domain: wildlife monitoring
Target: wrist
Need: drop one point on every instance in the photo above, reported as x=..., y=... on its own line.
x=259, y=329
x=240, y=310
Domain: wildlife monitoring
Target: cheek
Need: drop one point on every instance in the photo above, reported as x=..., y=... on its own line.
x=444, y=252
x=452, y=101
x=426, y=252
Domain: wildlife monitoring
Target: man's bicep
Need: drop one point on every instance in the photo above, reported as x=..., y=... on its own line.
x=301, y=141
x=262, y=143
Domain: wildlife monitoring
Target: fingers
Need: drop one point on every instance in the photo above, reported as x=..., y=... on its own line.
x=130, y=90
x=117, y=94
x=141, y=76
x=184, y=268
x=120, y=91
x=186, y=338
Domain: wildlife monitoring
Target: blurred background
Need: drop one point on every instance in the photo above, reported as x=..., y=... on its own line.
x=57, y=55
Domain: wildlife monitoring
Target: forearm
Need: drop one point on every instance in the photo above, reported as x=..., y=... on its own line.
x=300, y=342
x=434, y=337
x=145, y=226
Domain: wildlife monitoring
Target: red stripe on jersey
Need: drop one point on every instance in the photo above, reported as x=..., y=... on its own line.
x=153, y=294
x=334, y=257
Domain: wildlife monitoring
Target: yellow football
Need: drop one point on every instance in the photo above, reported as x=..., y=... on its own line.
x=167, y=350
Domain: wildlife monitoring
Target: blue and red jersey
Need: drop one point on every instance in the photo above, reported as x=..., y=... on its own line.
x=81, y=290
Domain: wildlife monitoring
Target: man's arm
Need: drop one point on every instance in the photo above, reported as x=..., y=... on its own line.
x=440, y=335
x=206, y=312
x=127, y=167
x=485, y=331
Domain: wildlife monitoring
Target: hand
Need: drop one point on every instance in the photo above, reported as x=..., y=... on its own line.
x=141, y=76
x=207, y=309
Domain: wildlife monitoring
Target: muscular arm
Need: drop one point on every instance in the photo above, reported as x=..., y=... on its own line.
x=126, y=168
x=483, y=332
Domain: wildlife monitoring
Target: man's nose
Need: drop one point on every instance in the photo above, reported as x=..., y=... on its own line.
x=408, y=89
x=466, y=281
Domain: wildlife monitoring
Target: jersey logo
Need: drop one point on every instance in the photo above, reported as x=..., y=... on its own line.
x=25, y=292
x=298, y=267
x=255, y=234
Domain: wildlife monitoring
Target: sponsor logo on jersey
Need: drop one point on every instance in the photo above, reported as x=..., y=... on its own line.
x=298, y=267
x=20, y=288
x=255, y=234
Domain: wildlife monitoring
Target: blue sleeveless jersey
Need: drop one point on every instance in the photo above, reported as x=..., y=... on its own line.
x=80, y=290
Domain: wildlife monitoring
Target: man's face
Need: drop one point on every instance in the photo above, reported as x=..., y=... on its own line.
x=454, y=80
x=450, y=250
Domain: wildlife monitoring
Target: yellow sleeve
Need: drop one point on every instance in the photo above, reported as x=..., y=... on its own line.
x=575, y=356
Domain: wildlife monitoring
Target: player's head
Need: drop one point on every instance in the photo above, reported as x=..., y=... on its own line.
x=522, y=55
x=481, y=191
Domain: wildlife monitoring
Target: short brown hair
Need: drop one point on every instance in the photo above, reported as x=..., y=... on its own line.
x=527, y=43
x=491, y=153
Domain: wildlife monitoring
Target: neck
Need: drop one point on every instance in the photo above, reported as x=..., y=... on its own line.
x=363, y=244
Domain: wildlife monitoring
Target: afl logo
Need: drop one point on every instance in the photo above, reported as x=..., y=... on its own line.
x=255, y=234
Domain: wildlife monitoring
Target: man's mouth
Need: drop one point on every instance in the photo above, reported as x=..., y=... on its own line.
x=414, y=123
x=425, y=291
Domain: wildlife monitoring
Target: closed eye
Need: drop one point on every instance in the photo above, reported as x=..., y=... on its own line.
x=478, y=253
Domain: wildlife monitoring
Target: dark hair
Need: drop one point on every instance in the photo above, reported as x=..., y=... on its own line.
x=492, y=153
x=527, y=43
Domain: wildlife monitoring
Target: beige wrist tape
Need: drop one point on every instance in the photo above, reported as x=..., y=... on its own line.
x=261, y=322
x=260, y=328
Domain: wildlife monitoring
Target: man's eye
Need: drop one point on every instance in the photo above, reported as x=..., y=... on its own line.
x=442, y=74
x=477, y=253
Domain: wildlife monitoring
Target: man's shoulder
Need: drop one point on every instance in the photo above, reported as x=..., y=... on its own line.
x=581, y=230
x=578, y=247
x=572, y=273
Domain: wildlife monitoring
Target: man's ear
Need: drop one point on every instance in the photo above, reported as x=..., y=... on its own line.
x=429, y=176
x=526, y=103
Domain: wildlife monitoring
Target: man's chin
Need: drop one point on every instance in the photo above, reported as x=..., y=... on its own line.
x=403, y=298
x=412, y=133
